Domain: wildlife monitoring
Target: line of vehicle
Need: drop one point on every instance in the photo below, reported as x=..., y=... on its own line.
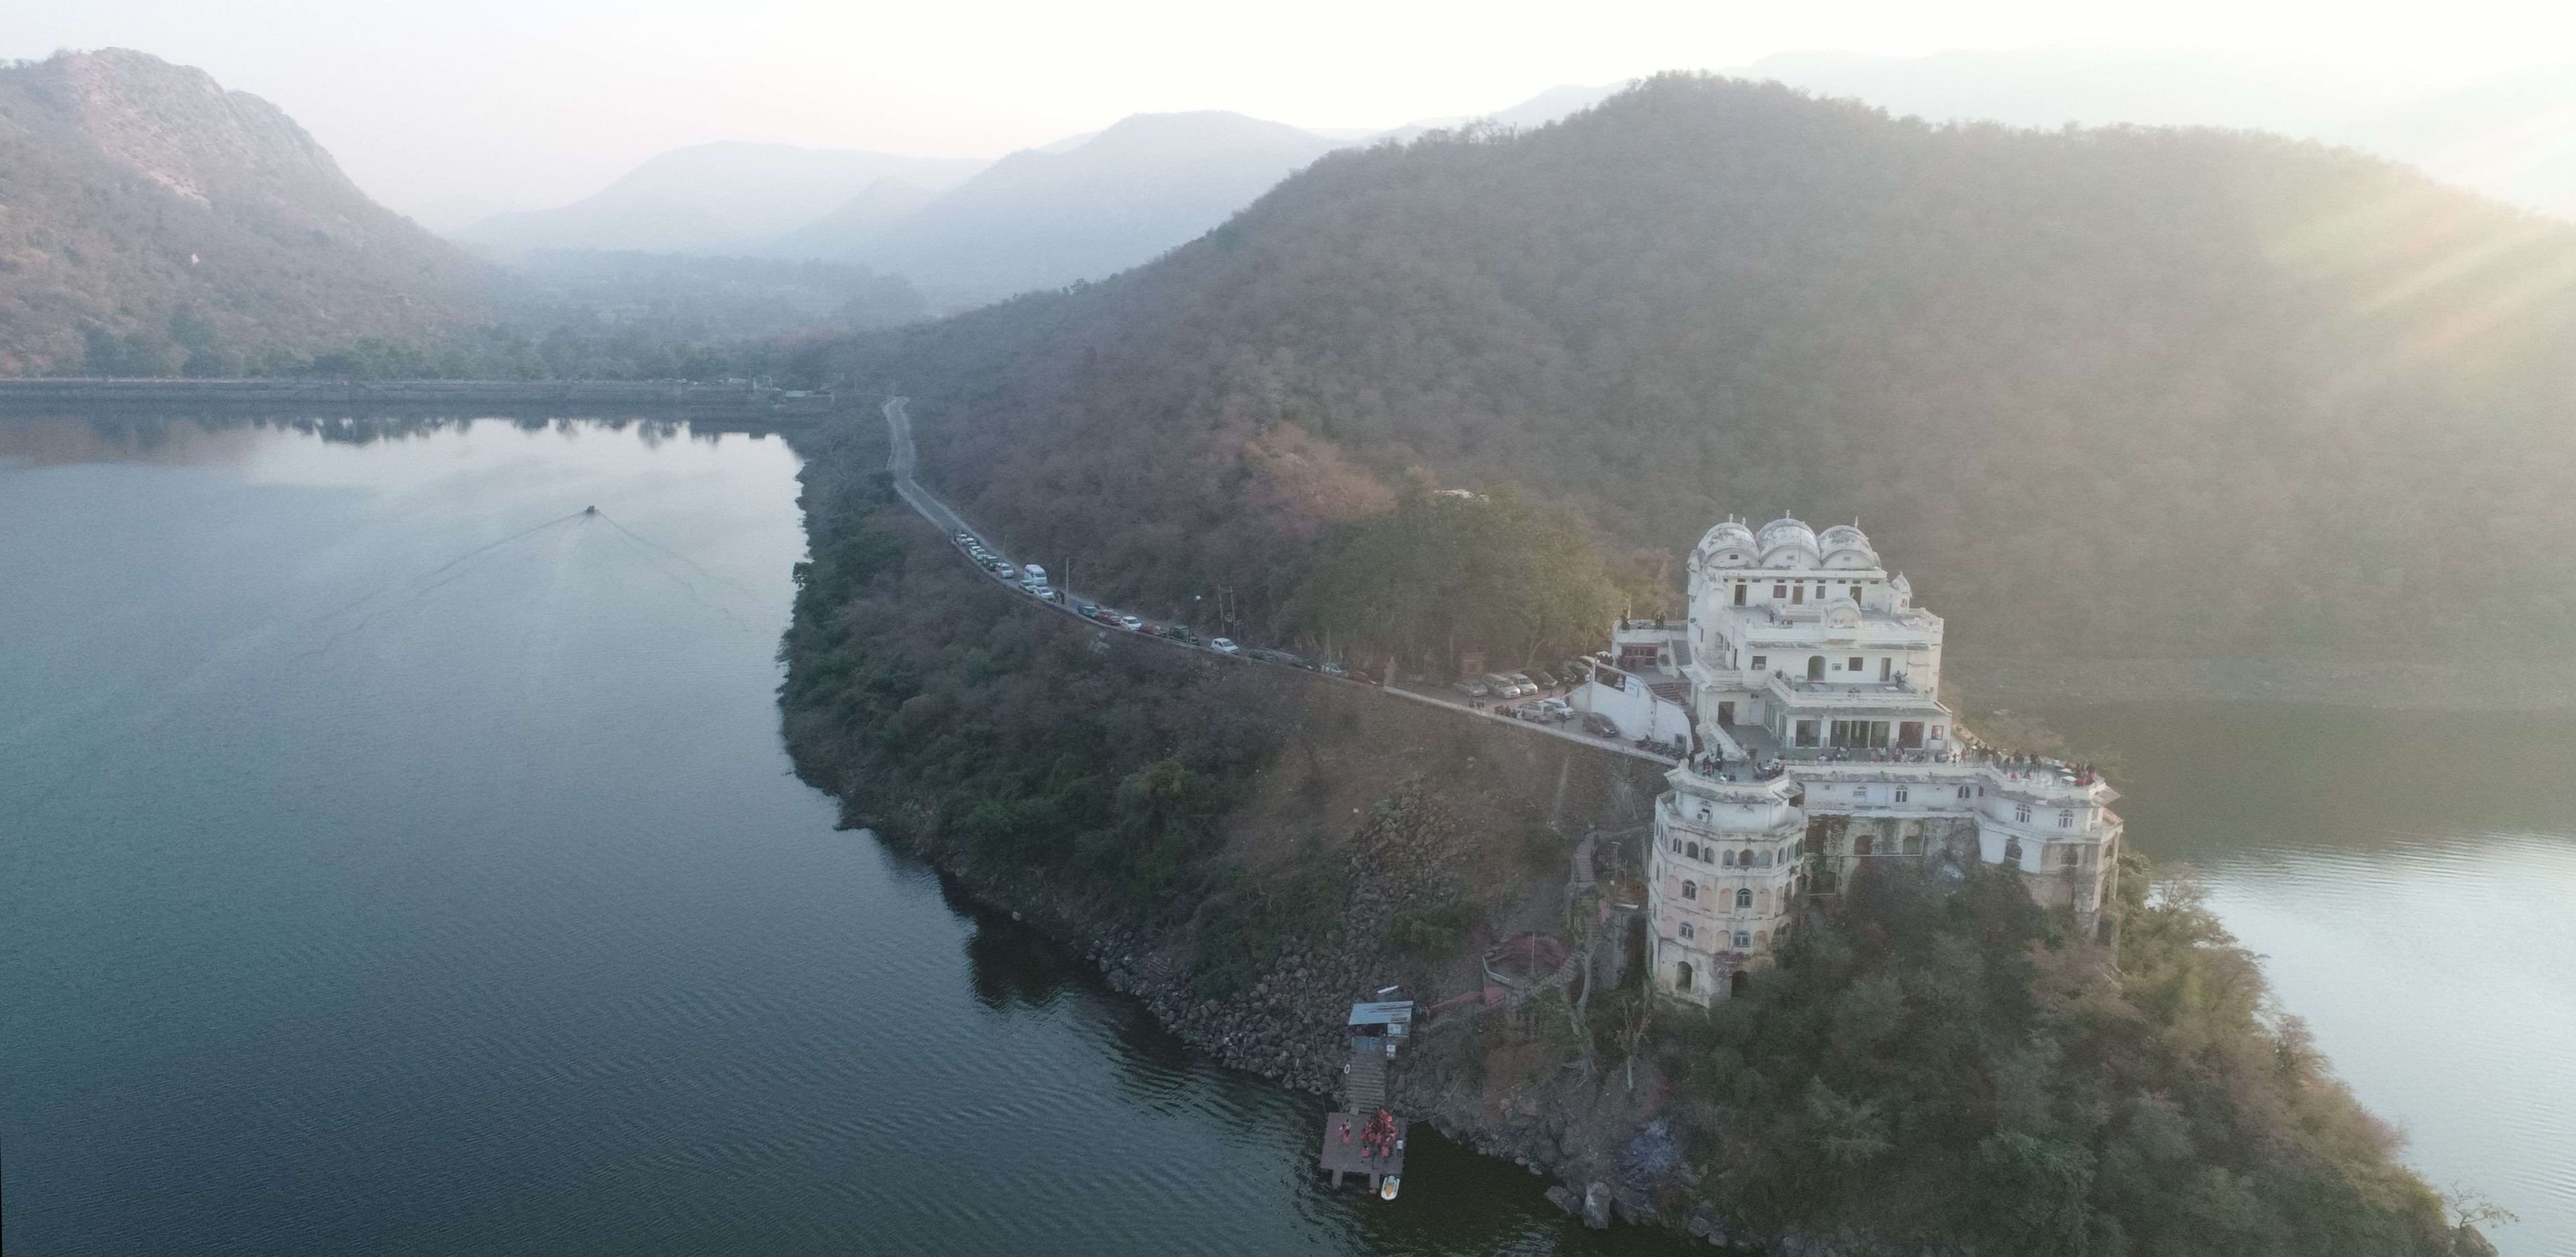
x=899, y=464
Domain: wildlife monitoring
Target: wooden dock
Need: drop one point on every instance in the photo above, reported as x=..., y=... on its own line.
x=1363, y=1097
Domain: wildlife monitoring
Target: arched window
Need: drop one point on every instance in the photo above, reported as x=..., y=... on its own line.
x=1860, y=844
x=1815, y=667
x=1766, y=859
x=1913, y=846
x=2065, y=818
x=1726, y=859
x=1692, y=850
x=1743, y=899
x=1690, y=890
x=2021, y=813
x=2012, y=850
x=1744, y=858
x=1682, y=976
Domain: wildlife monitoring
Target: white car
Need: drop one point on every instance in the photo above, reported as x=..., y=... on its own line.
x=1223, y=645
x=1130, y=623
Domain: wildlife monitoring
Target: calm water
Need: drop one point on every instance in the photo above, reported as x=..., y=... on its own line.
x=2411, y=880
x=355, y=898
x=364, y=888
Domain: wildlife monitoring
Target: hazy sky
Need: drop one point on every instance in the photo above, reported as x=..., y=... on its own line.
x=441, y=108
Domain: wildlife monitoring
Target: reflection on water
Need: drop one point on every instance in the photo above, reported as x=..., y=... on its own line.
x=2410, y=879
x=366, y=885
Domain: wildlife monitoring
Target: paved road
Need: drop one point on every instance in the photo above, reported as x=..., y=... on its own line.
x=901, y=459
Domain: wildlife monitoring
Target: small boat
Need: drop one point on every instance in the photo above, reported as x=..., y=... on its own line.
x=1386, y=1187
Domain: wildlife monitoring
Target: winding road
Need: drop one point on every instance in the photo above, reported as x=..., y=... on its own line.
x=901, y=459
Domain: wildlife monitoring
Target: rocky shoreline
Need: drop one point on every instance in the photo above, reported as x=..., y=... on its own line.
x=1285, y=1029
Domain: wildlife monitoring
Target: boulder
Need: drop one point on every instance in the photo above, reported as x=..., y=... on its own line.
x=1596, y=1206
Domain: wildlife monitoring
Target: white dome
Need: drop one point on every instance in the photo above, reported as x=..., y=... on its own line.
x=1846, y=546
x=1786, y=542
x=1730, y=544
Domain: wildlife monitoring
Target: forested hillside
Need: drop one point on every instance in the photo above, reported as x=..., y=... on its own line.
x=152, y=222
x=2101, y=392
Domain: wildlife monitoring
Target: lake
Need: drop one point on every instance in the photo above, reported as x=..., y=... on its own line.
x=395, y=858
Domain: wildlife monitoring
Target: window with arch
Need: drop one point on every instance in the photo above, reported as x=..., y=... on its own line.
x=1726, y=859
x=1682, y=976
x=2065, y=817
x=1815, y=667
x=1766, y=859
x=1860, y=844
x=2074, y=857
x=1913, y=846
x=1963, y=792
x=2012, y=850
x=1703, y=813
x=1677, y=846
x=2021, y=812
x=1690, y=890
x=1743, y=900
x=1691, y=850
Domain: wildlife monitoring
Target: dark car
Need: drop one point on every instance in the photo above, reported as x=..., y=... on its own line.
x=1181, y=633
x=1545, y=680
x=1599, y=725
x=1090, y=611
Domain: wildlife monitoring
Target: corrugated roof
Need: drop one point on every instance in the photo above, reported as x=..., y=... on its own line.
x=1383, y=1013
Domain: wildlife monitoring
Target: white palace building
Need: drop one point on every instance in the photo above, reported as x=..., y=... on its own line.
x=1806, y=682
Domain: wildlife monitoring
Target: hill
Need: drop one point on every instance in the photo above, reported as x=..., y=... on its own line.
x=724, y=197
x=1039, y=219
x=2105, y=393
x=152, y=221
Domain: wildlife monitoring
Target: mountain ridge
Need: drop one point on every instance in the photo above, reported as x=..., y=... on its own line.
x=155, y=219
x=2034, y=356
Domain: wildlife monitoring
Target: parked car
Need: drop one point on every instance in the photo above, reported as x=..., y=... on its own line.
x=962, y=537
x=1545, y=680
x=1005, y=570
x=1088, y=610
x=1036, y=589
x=1181, y=633
x=1522, y=679
x=1223, y=645
x=1034, y=572
x=1335, y=670
x=1599, y=725
x=1149, y=630
x=1505, y=687
x=1132, y=624
x=1557, y=708
x=1474, y=689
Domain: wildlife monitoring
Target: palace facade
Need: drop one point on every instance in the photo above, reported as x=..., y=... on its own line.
x=1809, y=683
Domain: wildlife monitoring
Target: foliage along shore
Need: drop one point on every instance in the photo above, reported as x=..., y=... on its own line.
x=1947, y=1069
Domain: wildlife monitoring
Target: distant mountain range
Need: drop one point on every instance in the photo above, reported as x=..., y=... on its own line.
x=726, y=197
x=2512, y=138
x=964, y=232
x=151, y=221
x=1040, y=219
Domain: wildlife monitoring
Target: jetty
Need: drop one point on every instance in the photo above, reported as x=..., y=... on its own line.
x=1364, y=1137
